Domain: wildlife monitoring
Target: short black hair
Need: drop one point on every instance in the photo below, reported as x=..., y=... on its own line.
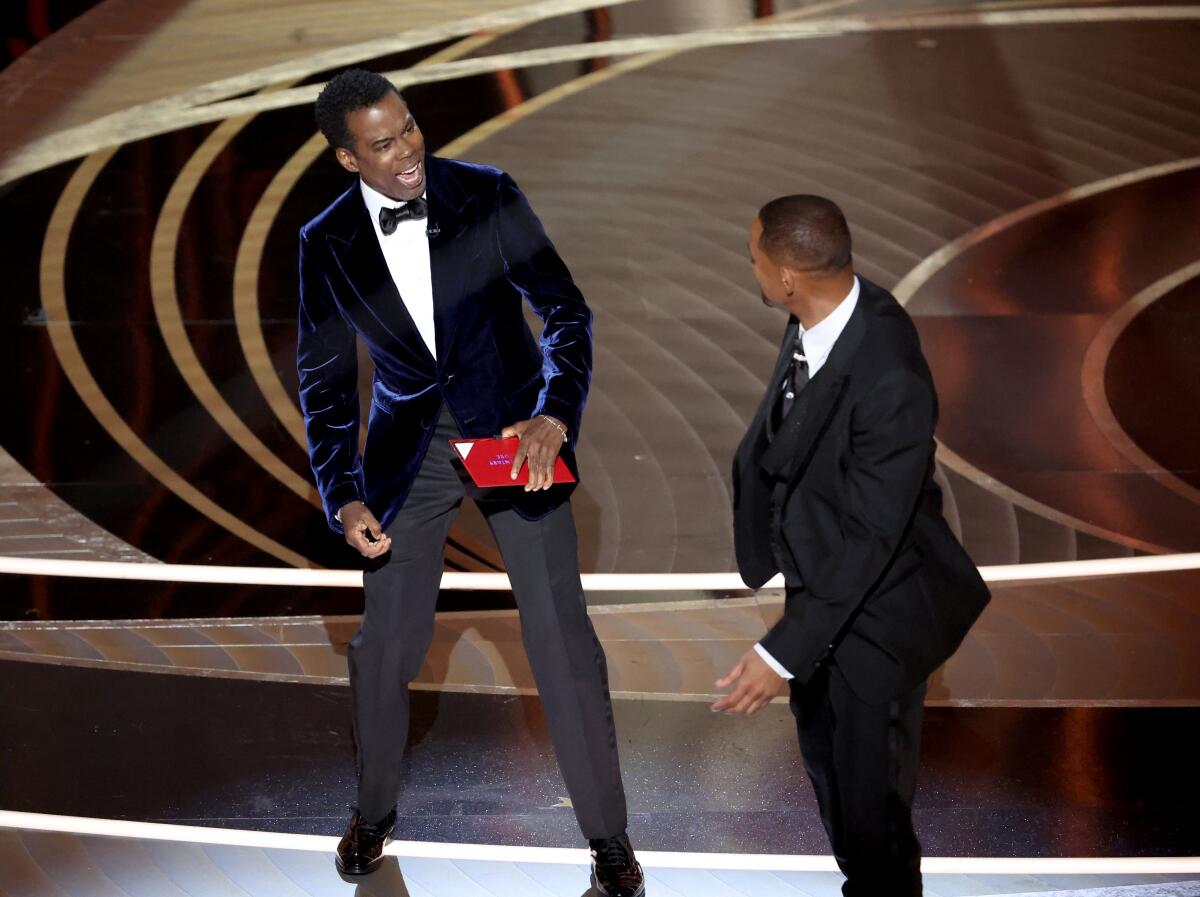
x=347, y=91
x=809, y=232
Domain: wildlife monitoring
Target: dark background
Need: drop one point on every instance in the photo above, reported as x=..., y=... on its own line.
x=25, y=22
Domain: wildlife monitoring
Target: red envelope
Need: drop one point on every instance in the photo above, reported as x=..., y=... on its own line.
x=489, y=462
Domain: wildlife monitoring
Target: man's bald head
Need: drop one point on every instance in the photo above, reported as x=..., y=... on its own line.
x=805, y=232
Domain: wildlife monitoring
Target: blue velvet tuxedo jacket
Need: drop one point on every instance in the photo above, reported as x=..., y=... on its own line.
x=488, y=255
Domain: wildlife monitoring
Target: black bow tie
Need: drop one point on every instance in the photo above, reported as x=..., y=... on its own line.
x=413, y=210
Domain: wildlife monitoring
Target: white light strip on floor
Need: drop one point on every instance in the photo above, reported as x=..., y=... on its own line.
x=592, y=582
x=191, y=834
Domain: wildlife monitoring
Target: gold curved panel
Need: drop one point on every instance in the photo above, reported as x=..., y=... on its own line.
x=424, y=22
x=1092, y=375
x=932, y=264
x=165, y=298
x=62, y=338
x=246, y=315
x=167, y=115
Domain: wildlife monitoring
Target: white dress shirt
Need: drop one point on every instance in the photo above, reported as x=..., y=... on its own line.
x=818, y=343
x=406, y=252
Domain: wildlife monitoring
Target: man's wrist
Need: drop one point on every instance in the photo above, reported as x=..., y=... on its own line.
x=556, y=423
x=337, y=515
x=774, y=664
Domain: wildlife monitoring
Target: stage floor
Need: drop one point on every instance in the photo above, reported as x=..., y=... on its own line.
x=1025, y=176
x=1088, y=782
x=82, y=865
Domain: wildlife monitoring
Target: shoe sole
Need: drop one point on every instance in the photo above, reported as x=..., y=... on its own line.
x=358, y=872
x=368, y=869
x=641, y=892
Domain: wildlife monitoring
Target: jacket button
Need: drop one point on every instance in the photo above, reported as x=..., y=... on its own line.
x=424, y=423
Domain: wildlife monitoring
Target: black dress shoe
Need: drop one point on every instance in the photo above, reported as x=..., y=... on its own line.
x=361, y=849
x=615, y=870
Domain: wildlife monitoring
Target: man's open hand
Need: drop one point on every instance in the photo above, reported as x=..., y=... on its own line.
x=541, y=442
x=358, y=521
x=754, y=684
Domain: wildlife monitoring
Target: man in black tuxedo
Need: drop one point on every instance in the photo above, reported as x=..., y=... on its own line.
x=430, y=261
x=833, y=487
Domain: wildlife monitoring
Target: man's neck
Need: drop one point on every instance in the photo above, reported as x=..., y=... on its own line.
x=820, y=296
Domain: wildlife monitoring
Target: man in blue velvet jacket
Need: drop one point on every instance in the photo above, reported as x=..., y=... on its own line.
x=430, y=261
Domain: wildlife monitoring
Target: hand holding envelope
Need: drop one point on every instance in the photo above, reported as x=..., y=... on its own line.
x=490, y=462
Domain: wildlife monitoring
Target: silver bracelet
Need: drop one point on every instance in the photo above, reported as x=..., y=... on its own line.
x=561, y=429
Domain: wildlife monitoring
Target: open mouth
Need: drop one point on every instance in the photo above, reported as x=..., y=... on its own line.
x=412, y=177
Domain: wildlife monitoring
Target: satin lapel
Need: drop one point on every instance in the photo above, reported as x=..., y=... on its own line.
x=789, y=452
x=758, y=425
x=451, y=214
x=362, y=262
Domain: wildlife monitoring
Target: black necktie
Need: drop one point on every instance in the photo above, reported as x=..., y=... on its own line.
x=412, y=210
x=794, y=380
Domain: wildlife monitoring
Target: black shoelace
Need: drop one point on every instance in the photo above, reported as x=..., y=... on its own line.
x=613, y=852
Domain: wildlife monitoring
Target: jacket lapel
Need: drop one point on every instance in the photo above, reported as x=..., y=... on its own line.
x=357, y=251
x=757, y=431
x=452, y=211
x=790, y=450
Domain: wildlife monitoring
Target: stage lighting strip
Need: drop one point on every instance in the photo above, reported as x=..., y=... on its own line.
x=743, y=862
x=595, y=582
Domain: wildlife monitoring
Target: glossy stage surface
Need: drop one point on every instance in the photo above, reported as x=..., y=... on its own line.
x=1025, y=176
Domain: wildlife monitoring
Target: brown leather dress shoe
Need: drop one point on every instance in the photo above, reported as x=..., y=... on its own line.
x=615, y=870
x=361, y=849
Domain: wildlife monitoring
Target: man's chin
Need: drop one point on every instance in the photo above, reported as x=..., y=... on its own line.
x=407, y=194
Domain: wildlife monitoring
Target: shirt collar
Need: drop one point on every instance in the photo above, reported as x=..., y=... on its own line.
x=819, y=339
x=376, y=201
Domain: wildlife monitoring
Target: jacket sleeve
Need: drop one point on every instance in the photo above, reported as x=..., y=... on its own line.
x=327, y=362
x=533, y=266
x=891, y=443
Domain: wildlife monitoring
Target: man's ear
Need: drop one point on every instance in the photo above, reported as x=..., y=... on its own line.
x=347, y=160
x=788, y=278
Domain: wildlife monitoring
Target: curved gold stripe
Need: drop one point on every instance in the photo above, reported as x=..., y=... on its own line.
x=931, y=265
x=563, y=91
x=165, y=299
x=62, y=339
x=935, y=262
x=947, y=457
x=152, y=119
x=1094, y=363
x=161, y=116
x=247, y=320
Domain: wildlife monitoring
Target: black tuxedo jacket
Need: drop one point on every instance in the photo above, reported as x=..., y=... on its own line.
x=843, y=499
x=488, y=255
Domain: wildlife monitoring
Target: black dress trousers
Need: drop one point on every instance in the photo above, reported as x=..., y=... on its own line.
x=862, y=759
x=567, y=659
